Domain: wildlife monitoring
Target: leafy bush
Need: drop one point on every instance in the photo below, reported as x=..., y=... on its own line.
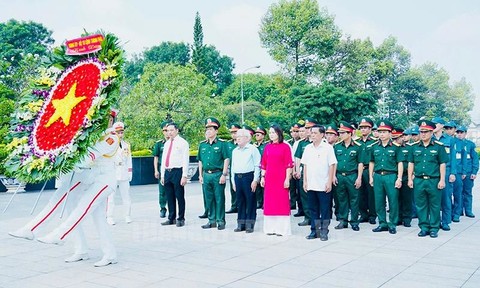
x=140, y=153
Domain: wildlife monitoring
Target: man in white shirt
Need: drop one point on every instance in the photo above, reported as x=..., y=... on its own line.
x=319, y=165
x=175, y=161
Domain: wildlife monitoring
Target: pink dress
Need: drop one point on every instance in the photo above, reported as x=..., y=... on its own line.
x=277, y=157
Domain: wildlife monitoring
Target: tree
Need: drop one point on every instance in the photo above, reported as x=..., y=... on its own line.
x=436, y=80
x=198, y=49
x=298, y=35
x=21, y=46
x=168, y=91
x=460, y=101
x=328, y=103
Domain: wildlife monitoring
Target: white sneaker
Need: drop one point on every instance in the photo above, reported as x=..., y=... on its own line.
x=22, y=233
x=128, y=219
x=105, y=262
x=50, y=239
x=77, y=257
x=110, y=221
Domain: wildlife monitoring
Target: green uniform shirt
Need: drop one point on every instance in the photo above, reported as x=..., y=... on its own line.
x=213, y=155
x=348, y=157
x=158, y=150
x=365, y=149
x=386, y=158
x=301, y=147
x=260, y=147
x=427, y=159
x=230, y=146
x=405, y=150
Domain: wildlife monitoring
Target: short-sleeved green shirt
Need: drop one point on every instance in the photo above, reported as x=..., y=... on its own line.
x=212, y=155
x=158, y=150
x=348, y=157
x=365, y=148
x=301, y=147
x=386, y=158
x=427, y=159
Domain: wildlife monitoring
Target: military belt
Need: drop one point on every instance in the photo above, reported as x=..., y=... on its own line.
x=426, y=177
x=384, y=172
x=241, y=175
x=211, y=171
x=347, y=173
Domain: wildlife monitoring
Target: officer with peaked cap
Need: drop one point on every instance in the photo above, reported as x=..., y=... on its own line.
x=213, y=161
x=450, y=128
x=426, y=175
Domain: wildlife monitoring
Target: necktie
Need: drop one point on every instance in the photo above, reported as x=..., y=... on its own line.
x=167, y=161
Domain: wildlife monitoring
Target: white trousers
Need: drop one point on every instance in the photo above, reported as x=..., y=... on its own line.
x=123, y=186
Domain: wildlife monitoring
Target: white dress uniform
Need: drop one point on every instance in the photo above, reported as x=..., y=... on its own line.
x=123, y=171
x=92, y=200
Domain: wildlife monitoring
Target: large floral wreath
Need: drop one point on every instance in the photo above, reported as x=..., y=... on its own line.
x=64, y=111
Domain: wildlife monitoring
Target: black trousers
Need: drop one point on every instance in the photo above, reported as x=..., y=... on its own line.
x=246, y=201
x=320, y=206
x=175, y=193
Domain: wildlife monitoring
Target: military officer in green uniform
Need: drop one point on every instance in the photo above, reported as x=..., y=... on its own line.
x=260, y=143
x=366, y=202
x=405, y=198
x=157, y=156
x=213, y=160
x=309, y=123
x=294, y=196
x=348, y=178
x=232, y=144
x=386, y=171
x=426, y=175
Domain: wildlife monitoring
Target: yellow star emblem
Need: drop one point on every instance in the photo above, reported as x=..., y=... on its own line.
x=63, y=107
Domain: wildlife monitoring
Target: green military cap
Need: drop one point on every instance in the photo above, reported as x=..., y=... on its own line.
x=331, y=128
x=397, y=132
x=461, y=128
x=407, y=131
x=249, y=129
x=309, y=122
x=374, y=127
x=260, y=129
x=165, y=124
x=346, y=127
x=296, y=126
x=234, y=127
x=438, y=120
x=212, y=122
x=384, y=125
x=365, y=121
x=450, y=124
x=426, y=125
x=415, y=130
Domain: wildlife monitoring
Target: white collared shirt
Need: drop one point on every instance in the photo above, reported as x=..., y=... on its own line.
x=318, y=161
x=179, y=156
x=245, y=160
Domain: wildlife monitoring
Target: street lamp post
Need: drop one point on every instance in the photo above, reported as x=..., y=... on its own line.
x=241, y=87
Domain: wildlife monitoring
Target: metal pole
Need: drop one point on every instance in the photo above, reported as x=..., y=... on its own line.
x=38, y=197
x=11, y=198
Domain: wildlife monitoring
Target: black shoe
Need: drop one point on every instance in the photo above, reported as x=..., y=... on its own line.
x=323, y=237
x=433, y=234
x=341, y=226
x=169, y=222
x=180, y=223
x=203, y=216
x=372, y=221
x=232, y=210
x=422, y=233
x=380, y=229
x=209, y=225
x=239, y=229
x=407, y=224
x=445, y=227
x=311, y=236
x=304, y=223
x=249, y=230
x=299, y=214
x=221, y=227
x=354, y=228
x=163, y=213
x=392, y=230
x=470, y=215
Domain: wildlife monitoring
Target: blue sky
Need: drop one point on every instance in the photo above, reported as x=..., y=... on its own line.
x=444, y=32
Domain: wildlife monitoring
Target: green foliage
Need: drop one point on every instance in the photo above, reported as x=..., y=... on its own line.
x=6, y=109
x=3, y=156
x=140, y=153
x=167, y=91
x=198, y=49
x=298, y=35
x=328, y=104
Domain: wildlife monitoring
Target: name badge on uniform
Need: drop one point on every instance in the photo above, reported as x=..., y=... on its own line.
x=458, y=156
x=468, y=156
x=447, y=149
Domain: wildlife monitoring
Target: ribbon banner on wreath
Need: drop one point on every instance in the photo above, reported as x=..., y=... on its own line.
x=65, y=110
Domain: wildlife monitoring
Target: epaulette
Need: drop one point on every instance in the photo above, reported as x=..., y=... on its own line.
x=396, y=144
x=413, y=143
x=204, y=141
x=357, y=143
x=355, y=138
x=221, y=140
x=338, y=142
x=438, y=142
x=373, y=144
x=158, y=141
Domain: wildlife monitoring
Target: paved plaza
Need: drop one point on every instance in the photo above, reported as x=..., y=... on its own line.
x=151, y=255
